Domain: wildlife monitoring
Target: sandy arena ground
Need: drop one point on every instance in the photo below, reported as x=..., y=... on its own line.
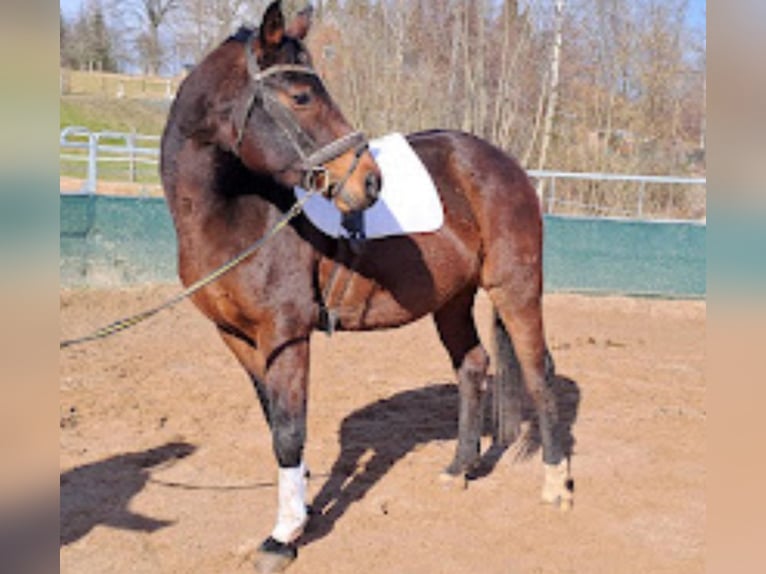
x=166, y=463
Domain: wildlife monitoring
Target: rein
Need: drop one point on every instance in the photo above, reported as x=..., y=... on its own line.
x=128, y=322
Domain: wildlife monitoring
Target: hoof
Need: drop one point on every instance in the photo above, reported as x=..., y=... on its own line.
x=452, y=480
x=274, y=556
x=563, y=503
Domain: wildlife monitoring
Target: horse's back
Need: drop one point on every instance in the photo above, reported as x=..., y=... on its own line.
x=485, y=173
x=491, y=181
x=486, y=189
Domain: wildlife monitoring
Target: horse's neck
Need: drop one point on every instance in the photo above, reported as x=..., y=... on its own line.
x=223, y=179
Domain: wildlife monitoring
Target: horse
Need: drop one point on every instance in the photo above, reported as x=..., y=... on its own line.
x=253, y=120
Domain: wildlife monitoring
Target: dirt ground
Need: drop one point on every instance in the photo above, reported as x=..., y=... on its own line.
x=119, y=188
x=166, y=461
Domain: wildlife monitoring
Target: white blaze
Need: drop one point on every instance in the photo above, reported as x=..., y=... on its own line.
x=291, y=516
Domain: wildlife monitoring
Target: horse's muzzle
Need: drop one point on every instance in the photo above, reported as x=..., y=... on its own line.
x=356, y=181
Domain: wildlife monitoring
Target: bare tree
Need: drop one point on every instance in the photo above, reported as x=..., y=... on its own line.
x=144, y=22
x=553, y=86
x=612, y=85
x=86, y=42
x=200, y=25
x=512, y=44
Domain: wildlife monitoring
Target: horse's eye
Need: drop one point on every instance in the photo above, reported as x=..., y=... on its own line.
x=302, y=98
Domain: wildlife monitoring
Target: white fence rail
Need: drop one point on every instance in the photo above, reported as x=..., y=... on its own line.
x=135, y=153
x=128, y=156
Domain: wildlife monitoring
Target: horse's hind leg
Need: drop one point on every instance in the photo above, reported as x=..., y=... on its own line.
x=519, y=304
x=457, y=330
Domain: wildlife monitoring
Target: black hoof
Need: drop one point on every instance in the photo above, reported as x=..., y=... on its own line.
x=274, y=556
x=462, y=466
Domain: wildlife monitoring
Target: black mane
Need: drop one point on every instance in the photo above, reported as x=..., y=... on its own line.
x=242, y=34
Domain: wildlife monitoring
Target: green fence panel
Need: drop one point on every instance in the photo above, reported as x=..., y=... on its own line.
x=629, y=257
x=111, y=241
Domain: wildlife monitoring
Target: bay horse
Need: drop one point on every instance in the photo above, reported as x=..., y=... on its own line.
x=251, y=121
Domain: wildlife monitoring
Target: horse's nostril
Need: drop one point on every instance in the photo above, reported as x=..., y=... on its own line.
x=372, y=185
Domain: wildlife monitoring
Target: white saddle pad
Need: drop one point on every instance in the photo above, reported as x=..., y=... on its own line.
x=408, y=202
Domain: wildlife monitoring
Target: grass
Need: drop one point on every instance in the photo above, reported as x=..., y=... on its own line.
x=110, y=114
x=100, y=114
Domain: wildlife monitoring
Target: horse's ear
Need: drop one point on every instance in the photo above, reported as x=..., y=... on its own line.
x=272, y=29
x=299, y=27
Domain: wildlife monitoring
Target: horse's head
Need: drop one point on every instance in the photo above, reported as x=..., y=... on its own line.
x=286, y=124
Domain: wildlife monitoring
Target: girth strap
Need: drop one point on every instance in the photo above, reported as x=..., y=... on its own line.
x=329, y=301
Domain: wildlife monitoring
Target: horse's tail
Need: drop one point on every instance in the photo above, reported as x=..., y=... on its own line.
x=508, y=389
x=509, y=392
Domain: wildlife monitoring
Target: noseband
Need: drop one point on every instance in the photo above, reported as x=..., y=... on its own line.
x=312, y=156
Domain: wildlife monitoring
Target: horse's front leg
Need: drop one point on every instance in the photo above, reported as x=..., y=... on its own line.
x=280, y=375
x=285, y=392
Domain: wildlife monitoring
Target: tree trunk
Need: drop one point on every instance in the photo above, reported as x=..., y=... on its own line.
x=553, y=88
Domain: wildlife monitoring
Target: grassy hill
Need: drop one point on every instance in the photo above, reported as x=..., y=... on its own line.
x=110, y=114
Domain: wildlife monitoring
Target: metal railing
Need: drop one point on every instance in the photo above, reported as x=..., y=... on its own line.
x=618, y=195
x=134, y=158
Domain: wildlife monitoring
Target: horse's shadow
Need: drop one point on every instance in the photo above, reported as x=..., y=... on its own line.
x=374, y=438
x=99, y=493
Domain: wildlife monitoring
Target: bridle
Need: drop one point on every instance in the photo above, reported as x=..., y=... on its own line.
x=311, y=156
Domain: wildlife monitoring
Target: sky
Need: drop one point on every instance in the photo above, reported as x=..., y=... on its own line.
x=69, y=7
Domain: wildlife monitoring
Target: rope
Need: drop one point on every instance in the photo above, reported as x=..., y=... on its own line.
x=128, y=322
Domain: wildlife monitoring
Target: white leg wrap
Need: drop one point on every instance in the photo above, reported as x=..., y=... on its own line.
x=291, y=516
x=556, y=489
